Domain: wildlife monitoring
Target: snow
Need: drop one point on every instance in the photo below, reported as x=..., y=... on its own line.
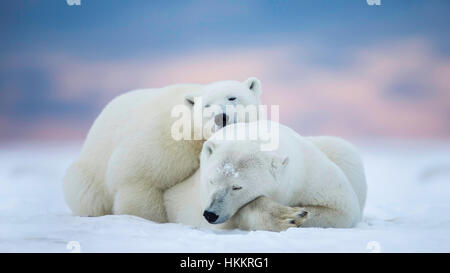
x=408, y=210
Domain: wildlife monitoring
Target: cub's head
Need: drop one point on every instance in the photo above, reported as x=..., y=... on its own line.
x=234, y=173
x=222, y=103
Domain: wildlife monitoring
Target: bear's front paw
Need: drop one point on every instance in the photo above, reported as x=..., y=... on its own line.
x=288, y=217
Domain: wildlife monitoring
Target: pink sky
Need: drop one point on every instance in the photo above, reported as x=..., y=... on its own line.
x=353, y=99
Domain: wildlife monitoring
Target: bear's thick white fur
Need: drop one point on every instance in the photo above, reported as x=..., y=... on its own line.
x=308, y=181
x=129, y=157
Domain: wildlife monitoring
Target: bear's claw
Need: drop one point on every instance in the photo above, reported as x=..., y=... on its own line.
x=303, y=214
x=290, y=217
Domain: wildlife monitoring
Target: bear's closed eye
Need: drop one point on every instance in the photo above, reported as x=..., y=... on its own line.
x=235, y=188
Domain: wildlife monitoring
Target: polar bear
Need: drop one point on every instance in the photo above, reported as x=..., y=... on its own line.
x=130, y=157
x=307, y=181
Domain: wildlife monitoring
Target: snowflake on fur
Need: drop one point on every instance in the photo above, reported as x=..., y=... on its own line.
x=228, y=170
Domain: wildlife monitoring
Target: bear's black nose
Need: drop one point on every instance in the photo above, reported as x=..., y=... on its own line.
x=221, y=120
x=211, y=217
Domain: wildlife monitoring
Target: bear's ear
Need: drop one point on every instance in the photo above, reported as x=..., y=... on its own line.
x=189, y=99
x=279, y=162
x=208, y=148
x=254, y=85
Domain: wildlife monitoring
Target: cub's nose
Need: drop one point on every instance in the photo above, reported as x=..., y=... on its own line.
x=211, y=217
x=221, y=120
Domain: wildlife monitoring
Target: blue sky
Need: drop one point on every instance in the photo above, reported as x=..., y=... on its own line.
x=120, y=32
x=130, y=28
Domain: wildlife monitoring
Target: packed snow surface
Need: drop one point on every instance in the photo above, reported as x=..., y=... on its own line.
x=407, y=210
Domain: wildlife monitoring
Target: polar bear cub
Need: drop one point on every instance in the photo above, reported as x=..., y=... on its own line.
x=130, y=156
x=307, y=181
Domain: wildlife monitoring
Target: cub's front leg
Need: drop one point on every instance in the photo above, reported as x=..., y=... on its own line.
x=265, y=214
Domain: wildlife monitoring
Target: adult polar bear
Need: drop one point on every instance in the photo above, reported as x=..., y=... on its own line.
x=130, y=157
x=307, y=181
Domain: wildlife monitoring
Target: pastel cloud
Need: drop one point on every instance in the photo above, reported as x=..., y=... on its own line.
x=354, y=99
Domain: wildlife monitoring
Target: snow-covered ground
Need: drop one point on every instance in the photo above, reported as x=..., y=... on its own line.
x=408, y=210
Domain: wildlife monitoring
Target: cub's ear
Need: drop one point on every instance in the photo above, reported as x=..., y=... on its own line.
x=254, y=85
x=189, y=99
x=279, y=162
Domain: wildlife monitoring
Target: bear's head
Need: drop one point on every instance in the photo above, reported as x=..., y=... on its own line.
x=222, y=103
x=234, y=173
